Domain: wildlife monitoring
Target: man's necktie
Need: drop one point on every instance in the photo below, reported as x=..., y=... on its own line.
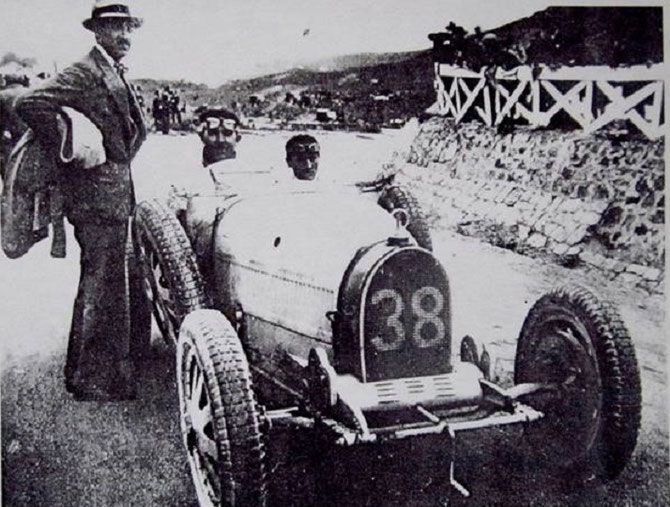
x=135, y=111
x=121, y=69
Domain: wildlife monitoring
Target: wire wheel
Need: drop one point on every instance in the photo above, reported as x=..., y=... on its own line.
x=572, y=339
x=197, y=422
x=172, y=280
x=220, y=418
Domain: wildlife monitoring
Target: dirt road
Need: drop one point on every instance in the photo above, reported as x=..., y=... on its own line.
x=57, y=452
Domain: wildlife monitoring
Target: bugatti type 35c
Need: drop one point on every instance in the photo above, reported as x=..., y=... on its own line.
x=317, y=308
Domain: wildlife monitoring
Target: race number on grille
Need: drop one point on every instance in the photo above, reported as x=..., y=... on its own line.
x=407, y=321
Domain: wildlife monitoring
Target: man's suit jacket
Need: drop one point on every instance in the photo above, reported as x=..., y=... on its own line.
x=92, y=87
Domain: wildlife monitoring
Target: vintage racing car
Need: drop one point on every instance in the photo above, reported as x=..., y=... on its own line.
x=314, y=307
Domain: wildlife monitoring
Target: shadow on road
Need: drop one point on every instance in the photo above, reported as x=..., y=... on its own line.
x=58, y=452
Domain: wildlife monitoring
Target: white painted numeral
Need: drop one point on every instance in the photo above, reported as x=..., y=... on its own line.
x=393, y=320
x=423, y=318
x=427, y=317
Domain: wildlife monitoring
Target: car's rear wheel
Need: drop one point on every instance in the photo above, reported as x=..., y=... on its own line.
x=394, y=197
x=172, y=279
x=572, y=339
x=220, y=418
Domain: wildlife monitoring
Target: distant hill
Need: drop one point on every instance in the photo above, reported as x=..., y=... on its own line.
x=150, y=85
x=358, y=60
x=393, y=71
x=363, y=87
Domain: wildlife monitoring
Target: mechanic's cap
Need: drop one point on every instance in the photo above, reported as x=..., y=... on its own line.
x=215, y=117
x=303, y=144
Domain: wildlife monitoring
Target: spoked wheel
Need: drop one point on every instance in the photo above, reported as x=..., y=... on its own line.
x=172, y=279
x=219, y=415
x=575, y=341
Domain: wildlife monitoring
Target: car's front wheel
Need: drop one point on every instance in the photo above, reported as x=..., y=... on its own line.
x=578, y=343
x=220, y=417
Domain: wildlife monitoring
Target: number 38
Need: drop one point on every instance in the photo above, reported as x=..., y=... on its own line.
x=423, y=318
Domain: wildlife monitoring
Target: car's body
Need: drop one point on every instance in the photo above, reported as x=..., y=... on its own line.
x=309, y=267
x=346, y=326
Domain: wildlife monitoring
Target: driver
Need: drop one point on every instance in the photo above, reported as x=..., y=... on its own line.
x=218, y=130
x=302, y=156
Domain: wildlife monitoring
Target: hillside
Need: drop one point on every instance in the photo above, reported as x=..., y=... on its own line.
x=363, y=89
x=559, y=36
x=345, y=62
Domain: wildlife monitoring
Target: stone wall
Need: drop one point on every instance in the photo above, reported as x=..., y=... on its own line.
x=595, y=199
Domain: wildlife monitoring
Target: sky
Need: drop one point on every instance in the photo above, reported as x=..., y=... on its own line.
x=213, y=41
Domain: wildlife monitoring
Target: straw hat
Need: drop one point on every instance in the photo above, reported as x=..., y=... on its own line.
x=104, y=10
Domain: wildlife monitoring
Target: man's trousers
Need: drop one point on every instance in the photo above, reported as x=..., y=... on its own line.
x=111, y=321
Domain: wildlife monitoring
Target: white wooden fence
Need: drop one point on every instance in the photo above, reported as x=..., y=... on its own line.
x=592, y=96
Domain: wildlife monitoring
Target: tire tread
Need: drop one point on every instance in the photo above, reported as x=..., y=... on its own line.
x=620, y=376
x=237, y=420
x=176, y=255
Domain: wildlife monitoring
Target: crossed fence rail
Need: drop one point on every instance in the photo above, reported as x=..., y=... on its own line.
x=591, y=96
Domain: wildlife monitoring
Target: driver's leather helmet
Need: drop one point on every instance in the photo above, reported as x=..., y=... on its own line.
x=302, y=156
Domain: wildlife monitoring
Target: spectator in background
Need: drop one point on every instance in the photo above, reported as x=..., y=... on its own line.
x=175, y=114
x=302, y=156
x=160, y=113
x=165, y=97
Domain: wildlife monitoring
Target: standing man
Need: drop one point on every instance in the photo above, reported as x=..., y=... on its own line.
x=165, y=117
x=159, y=112
x=99, y=199
x=175, y=115
x=302, y=156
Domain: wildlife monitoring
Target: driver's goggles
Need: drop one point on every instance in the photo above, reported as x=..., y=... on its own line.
x=227, y=125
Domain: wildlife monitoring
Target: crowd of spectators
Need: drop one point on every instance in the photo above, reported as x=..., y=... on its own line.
x=167, y=107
